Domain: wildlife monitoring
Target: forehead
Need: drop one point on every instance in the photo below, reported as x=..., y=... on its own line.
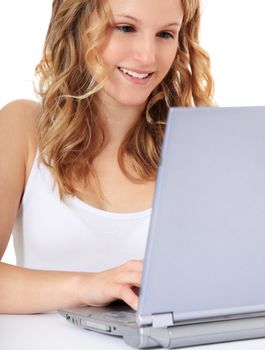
x=156, y=11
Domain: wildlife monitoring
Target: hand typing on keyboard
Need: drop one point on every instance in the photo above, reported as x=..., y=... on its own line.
x=120, y=283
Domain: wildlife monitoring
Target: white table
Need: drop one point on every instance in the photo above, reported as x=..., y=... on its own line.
x=52, y=331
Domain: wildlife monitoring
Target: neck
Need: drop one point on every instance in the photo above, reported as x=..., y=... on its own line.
x=119, y=118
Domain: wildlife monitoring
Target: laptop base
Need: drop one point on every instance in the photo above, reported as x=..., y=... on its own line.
x=103, y=320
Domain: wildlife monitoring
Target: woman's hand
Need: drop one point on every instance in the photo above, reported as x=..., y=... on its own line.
x=110, y=285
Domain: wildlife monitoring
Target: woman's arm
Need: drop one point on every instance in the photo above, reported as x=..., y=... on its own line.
x=30, y=291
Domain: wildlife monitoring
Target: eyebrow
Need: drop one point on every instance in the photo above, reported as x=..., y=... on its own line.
x=140, y=22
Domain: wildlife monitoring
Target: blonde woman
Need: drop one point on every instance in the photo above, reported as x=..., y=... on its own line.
x=78, y=170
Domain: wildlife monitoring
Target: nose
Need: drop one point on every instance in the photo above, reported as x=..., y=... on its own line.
x=145, y=50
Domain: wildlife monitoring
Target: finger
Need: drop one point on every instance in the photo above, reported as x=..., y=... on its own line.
x=133, y=265
x=131, y=278
x=125, y=293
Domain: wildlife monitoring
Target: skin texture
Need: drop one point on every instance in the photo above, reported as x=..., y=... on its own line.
x=147, y=44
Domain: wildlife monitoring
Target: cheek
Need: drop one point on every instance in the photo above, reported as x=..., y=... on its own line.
x=167, y=61
x=112, y=53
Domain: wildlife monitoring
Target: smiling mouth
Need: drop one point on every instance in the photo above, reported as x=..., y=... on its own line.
x=133, y=74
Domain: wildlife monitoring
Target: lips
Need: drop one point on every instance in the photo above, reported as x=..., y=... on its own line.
x=135, y=73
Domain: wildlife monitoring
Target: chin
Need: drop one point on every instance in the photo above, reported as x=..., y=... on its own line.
x=132, y=103
x=130, y=99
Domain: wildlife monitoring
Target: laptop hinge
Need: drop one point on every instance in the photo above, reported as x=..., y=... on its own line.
x=162, y=320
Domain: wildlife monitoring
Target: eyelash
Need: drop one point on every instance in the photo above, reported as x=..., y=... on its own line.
x=121, y=28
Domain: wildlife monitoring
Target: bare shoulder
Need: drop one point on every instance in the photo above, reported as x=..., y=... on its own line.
x=18, y=145
x=18, y=132
x=18, y=122
x=18, y=128
x=21, y=105
x=21, y=114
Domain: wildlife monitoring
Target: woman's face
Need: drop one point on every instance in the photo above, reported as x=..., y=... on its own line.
x=140, y=47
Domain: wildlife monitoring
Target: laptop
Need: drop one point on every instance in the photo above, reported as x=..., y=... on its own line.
x=204, y=268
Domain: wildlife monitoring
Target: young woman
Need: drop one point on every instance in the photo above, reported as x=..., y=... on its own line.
x=78, y=170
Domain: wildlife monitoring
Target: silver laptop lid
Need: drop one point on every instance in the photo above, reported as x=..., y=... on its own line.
x=205, y=254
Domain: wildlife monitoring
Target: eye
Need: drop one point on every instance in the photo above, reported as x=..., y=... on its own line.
x=166, y=35
x=125, y=28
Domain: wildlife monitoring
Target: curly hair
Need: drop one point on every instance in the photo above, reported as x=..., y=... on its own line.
x=70, y=75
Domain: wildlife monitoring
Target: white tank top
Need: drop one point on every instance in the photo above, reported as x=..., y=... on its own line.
x=71, y=235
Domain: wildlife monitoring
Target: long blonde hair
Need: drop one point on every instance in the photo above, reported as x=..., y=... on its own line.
x=71, y=132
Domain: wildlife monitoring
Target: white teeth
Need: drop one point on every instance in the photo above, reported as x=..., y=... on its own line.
x=134, y=74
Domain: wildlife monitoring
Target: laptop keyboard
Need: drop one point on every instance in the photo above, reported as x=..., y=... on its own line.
x=123, y=316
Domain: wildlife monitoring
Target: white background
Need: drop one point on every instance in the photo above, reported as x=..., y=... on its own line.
x=232, y=32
